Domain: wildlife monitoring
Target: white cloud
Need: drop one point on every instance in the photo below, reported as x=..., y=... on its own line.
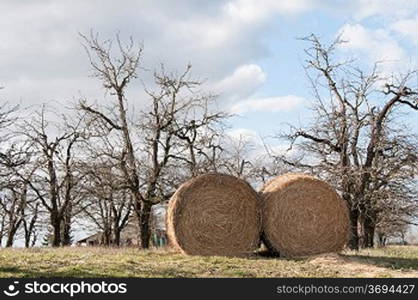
x=388, y=8
x=243, y=134
x=269, y=104
x=407, y=28
x=375, y=44
x=222, y=39
x=253, y=10
x=242, y=83
x=40, y=41
x=283, y=149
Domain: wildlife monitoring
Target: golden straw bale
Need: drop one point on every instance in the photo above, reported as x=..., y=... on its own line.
x=214, y=214
x=303, y=216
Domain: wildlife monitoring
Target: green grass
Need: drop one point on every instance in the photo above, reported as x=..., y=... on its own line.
x=396, y=261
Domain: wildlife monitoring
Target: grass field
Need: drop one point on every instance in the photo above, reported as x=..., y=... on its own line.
x=395, y=261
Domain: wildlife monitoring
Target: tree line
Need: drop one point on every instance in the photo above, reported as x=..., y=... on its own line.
x=360, y=141
x=100, y=164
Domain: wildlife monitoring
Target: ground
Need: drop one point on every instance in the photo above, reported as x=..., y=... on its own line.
x=394, y=261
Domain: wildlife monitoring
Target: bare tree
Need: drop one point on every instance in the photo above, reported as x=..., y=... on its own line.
x=355, y=142
x=174, y=133
x=7, y=120
x=54, y=181
x=15, y=198
x=196, y=122
x=108, y=203
x=115, y=74
x=30, y=223
x=14, y=202
x=391, y=230
x=168, y=126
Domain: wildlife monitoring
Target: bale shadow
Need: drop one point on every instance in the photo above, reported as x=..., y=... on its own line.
x=398, y=263
x=17, y=271
x=267, y=254
x=27, y=273
x=20, y=272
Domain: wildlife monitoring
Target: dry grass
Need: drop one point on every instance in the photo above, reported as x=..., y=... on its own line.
x=401, y=261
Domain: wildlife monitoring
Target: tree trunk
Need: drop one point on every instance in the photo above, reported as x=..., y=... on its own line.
x=366, y=228
x=106, y=239
x=11, y=236
x=66, y=226
x=27, y=237
x=138, y=212
x=369, y=229
x=66, y=234
x=144, y=225
x=193, y=164
x=353, y=243
x=116, y=233
x=1, y=232
x=30, y=229
x=361, y=230
x=56, y=236
x=34, y=239
x=403, y=238
x=381, y=240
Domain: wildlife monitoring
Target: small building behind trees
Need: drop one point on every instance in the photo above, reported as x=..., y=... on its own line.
x=130, y=236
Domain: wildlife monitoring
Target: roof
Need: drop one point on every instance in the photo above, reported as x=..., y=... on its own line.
x=96, y=235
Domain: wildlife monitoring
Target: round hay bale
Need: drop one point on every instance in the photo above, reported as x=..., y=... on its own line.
x=303, y=216
x=214, y=214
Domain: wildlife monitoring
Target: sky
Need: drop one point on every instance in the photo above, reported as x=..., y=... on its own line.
x=246, y=51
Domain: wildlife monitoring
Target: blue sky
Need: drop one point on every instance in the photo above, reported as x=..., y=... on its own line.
x=246, y=50
x=283, y=66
